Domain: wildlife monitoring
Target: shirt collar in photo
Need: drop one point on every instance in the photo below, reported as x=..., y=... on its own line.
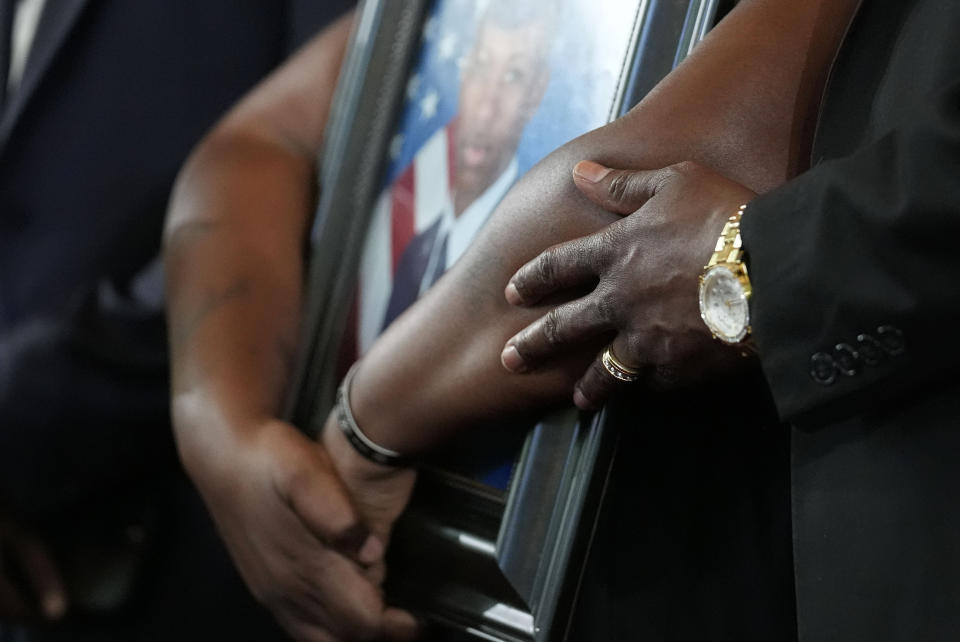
x=463, y=229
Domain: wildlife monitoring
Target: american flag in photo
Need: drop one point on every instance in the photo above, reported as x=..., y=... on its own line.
x=420, y=162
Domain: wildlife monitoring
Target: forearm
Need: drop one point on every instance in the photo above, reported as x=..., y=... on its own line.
x=234, y=247
x=233, y=289
x=739, y=104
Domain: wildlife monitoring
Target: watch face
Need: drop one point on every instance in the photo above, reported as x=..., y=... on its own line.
x=723, y=304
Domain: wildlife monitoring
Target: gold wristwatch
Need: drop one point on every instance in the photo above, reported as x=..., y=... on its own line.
x=725, y=288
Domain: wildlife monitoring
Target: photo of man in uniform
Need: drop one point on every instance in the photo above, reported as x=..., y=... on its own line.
x=454, y=181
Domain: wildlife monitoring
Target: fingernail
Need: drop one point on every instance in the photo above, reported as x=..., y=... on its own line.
x=54, y=605
x=580, y=400
x=512, y=361
x=371, y=551
x=513, y=295
x=590, y=171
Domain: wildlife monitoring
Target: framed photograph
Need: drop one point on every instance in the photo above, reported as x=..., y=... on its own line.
x=442, y=106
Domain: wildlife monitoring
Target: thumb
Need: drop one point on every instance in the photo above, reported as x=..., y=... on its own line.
x=401, y=625
x=622, y=191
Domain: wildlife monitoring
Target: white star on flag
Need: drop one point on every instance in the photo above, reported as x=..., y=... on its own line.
x=428, y=105
x=447, y=46
x=413, y=86
x=396, y=146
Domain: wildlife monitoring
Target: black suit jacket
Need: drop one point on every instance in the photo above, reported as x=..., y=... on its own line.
x=856, y=308
x=694, y=541
x=114, y=96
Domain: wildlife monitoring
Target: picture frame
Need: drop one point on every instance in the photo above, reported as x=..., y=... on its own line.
x=479, y=562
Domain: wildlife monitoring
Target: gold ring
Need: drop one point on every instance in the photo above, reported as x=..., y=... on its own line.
x=617, y=368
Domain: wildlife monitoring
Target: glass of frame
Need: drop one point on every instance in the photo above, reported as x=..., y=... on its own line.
x=441, y=106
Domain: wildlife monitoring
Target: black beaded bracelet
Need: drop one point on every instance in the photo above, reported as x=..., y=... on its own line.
x=360, y=442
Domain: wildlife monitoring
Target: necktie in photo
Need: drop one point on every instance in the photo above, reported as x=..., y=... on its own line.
x=438, y=264
x=417, y=263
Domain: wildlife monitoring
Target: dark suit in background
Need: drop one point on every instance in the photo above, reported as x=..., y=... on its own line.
x=114, y=95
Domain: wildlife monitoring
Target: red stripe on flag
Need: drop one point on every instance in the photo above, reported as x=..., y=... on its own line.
x=402, y=198
x=452, y=152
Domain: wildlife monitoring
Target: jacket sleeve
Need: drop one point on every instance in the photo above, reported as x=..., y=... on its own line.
x=855, y=270
x=88, y=390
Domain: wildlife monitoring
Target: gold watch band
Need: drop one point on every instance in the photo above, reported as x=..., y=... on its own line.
x=729, y=246
x=729, y=254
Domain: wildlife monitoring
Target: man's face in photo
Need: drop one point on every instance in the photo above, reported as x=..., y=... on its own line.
x=503, y=82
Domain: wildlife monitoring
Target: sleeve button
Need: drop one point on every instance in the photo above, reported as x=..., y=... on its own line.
x=846, y=359
x=823, y=369
x=891, y=340
x=871, y=353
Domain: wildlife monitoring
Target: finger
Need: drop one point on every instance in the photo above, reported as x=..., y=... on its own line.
x=554, y=333
x=597, y=384
x=400, y=625
x=622, y=191
x=332, y=594
x=320, y=501
x=376, y=573
x=41, y=574
x=561, y=267
x=306, y=633
x=302, y=631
